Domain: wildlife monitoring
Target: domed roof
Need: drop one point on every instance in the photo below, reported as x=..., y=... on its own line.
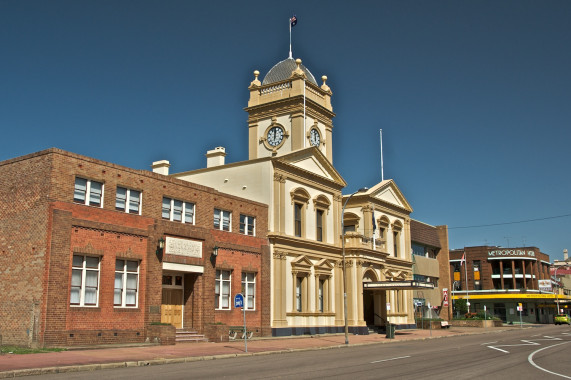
x=282, y=71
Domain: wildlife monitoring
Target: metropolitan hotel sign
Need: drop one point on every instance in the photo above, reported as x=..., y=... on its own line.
x=507, y=252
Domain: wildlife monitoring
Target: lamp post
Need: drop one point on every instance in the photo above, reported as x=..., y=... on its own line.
x=363, y=189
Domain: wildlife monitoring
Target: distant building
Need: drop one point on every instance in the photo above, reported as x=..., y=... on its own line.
x=501, y=279
x=431, y=264
x=81, y=259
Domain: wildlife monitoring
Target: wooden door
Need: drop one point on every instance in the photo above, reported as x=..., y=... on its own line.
x=171, y=307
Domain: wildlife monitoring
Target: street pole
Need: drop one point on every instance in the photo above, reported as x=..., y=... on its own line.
x=344, y=266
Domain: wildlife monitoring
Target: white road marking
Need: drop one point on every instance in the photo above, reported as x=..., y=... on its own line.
x=530, y=360
x=525, y=343
x=386, y=360
x=483, y=344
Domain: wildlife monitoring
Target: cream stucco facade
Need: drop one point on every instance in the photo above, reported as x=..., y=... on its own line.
x=290, y=168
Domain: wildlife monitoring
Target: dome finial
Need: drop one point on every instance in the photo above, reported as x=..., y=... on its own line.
x=324, y=86
x=256, y=82
x=298, y=71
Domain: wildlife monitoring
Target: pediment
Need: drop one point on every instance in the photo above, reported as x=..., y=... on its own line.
x=388, y=192
x=311, y=160
x=301, y=263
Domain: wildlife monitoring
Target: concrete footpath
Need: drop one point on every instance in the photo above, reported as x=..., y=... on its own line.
x=90, y=359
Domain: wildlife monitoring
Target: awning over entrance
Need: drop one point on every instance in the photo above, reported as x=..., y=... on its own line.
x=183, y=267
x=398, y=285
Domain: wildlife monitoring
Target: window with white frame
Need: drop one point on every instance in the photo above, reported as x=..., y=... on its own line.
x=247, y=224
x=249, y=290
x=178, y=211
x=222, y=290
x=128, y=200
x=126, y=283
x=320, y=295
x=319, y=214
x=88, y=192
x=298, y=293
x=84, y=281
x=222, y=220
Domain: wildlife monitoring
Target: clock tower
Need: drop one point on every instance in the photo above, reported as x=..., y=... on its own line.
x=289, y=111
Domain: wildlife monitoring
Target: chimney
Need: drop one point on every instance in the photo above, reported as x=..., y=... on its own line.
x=215, y=157
x=565, y=256
x=161, y=167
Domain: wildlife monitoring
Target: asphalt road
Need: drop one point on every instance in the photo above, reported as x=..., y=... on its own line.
x=529, y=353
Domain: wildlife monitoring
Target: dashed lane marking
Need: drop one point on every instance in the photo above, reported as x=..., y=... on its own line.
x=386, y=360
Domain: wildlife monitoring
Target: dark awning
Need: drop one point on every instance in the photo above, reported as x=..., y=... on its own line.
x=398, y=285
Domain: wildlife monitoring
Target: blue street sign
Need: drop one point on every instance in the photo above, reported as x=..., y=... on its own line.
x=238, y=300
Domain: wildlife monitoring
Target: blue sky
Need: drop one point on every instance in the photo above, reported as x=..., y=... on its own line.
x=474, y=97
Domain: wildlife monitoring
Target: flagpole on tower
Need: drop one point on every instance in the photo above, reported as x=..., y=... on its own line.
x=292, y=22
x=382, y=173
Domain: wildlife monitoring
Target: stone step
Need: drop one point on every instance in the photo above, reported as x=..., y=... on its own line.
x=189, y=336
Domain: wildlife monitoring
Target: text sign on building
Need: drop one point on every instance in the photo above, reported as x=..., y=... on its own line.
x=511, y=253
x=183, y=247
x=545, y=285
x=445, y=297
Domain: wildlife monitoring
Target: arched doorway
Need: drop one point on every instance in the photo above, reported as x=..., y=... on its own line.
x=369, y=299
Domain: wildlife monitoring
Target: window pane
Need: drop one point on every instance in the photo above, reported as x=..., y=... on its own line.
x=91, y=262
x=188, y=212
x=242, y=224
x=119, y=264
x=76, y=277
x=225, y=220
x=134, y=201
x=132, y=266
x=117, y=297
x=74, y=296
x=225, y=274
x=132, y=281
x=80, y=189
x=217, y=219
x=95, y=193
x=121, y=199
x=131, y=298
x=177, y=211
x=91, y=278
x=90, y=296
x=78, y=261
x=166, y=208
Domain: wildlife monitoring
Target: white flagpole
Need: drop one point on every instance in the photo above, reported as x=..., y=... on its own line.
x=382, y=173
x=290, y=55
x=304, y=118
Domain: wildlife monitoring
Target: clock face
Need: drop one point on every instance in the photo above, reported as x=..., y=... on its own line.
x=314, y=137
x=275, y=136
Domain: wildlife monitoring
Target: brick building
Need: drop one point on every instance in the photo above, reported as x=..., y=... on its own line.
x=500, y=279
x=92, y=252
x=431, y=264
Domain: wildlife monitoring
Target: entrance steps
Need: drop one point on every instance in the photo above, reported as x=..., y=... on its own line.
x=189, y=336
x=376, y=329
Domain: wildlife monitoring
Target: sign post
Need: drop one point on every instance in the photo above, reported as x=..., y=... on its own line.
x=239, y=302
x=520, y=308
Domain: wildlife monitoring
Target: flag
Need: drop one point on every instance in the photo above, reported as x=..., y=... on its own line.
x=293, y=21
x=463, y=259
x=374, y=224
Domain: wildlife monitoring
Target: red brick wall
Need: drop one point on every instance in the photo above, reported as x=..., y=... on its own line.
x=24, y=186
x=42, y=227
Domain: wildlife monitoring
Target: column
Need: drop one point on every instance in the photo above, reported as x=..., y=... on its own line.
x=513, y=274
x=502, y=274
x=279, y=294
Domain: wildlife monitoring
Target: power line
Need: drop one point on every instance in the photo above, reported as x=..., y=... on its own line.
x=514, y=222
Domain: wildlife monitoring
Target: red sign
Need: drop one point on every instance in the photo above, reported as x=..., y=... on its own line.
x=445, y=297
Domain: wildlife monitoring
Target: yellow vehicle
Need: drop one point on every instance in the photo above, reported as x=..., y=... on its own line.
x=560, y=319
